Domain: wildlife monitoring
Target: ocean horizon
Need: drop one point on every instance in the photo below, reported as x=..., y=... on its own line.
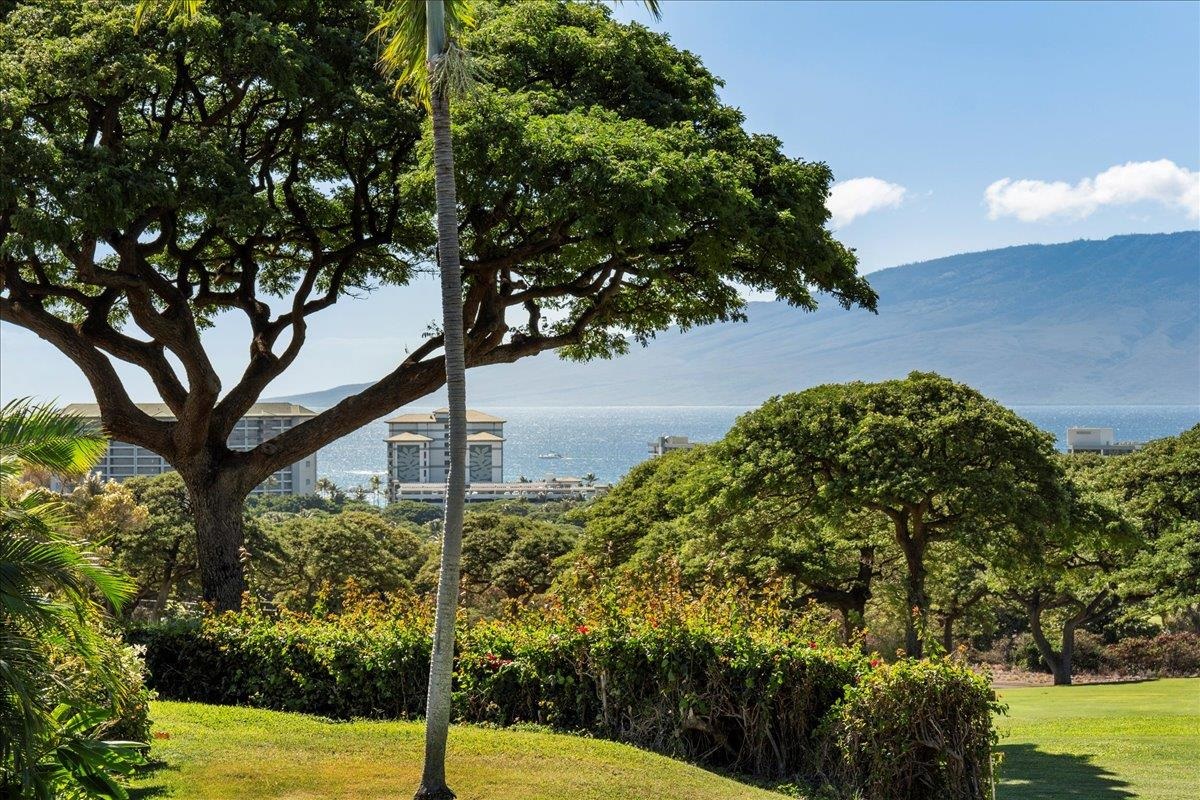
x=607, y=441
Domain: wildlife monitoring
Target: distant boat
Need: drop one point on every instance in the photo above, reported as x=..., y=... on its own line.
x=551, y=455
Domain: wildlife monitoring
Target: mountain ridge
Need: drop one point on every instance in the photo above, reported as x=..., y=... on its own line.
x=1090, y=322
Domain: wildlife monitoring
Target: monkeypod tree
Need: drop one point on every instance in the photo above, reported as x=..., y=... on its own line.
x=1072, y=571
x=1159, y=489
x=934, y=459
x=675, y=507
x=252, y=161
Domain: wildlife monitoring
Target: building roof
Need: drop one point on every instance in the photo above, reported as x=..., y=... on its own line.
x=408, y=437
x=163, y=411
x=431, y=416
x=484, y=436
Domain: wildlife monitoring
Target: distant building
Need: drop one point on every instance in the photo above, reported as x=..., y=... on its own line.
x=262, y=422
x=416, y=447
x=665, y=444
x=1098, y=440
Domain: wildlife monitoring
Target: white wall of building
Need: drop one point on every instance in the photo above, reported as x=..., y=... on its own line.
x=263, y=421
x=417, y=451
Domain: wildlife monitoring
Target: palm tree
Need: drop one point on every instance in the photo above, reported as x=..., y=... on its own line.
x=48, y=591
x=419, y=50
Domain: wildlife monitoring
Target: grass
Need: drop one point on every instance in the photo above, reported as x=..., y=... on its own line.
x=219, y=752
x=1102, y=742
x=1099, y=742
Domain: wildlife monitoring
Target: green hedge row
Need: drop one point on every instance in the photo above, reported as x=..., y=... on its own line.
x=775, y=705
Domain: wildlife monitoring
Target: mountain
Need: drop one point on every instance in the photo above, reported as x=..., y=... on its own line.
x=1088, y=322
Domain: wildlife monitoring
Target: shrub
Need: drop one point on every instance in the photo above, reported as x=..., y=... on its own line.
x=734, y=700
x=349, y=665
x=1165, y=654
x=119, y=691
x=913, y=730
x=718, y=679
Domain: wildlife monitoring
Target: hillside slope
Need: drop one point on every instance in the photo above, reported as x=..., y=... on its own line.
x=225, y=753
x=1088, y=322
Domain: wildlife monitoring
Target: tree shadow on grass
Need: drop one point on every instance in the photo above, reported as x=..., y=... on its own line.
x=1030, y=774
x=149, y=792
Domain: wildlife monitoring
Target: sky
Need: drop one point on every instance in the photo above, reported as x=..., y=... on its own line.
x=949, y=128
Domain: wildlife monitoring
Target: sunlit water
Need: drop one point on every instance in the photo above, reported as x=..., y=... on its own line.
x=609, y=441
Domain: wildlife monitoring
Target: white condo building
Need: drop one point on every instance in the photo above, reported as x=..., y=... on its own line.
x=262, y=422
x=416, y=446
x=1098, y=440
x=666, y=444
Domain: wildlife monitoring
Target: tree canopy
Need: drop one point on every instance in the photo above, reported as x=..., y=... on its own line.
x=256, y=163
x=252, y=161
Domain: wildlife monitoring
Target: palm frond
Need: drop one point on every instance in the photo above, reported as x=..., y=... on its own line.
x=653, y=6
x=187, y=9
x=41, y=436
x=404, y=49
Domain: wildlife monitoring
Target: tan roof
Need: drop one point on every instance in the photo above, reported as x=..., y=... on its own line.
x=415, y=417
x=408, y=437
x=484, y=436
x=163, y=411
x=429, y=416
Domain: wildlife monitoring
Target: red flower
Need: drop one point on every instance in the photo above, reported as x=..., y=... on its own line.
x=582, y=629
x=812, y=645
x=874, y=662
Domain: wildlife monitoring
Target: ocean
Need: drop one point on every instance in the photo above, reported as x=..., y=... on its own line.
x=608, y=441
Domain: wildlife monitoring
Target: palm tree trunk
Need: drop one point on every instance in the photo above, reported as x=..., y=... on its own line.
x=441, y=666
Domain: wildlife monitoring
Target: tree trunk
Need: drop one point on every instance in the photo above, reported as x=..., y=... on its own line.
x=220, y=534
x=1066, y=660
x=916, y=602
x=959, y=606
x=441, y=666
x=948, y=632
x=1060, y=666
x=164, y=586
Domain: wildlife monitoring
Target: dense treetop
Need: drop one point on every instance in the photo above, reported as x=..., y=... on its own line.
x=252, y=160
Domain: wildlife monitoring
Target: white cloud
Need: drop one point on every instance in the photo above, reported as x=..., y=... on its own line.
x=1162, y=181
x=849, y=200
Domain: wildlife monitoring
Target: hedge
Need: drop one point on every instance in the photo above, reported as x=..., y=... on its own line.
x=914, y=730
x=776, y=703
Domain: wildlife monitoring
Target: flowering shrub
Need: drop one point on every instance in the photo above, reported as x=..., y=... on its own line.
x=913, y=730
x=717, y=679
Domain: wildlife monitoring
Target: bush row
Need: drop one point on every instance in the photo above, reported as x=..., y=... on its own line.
x=1164, y=655
x=704, y=682
x=1167, y=654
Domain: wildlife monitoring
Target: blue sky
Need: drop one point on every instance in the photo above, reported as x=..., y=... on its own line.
x=944, y=99
x=1084, y=118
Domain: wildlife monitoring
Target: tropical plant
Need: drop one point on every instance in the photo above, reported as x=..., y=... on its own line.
x=50, y=744
x=421, y=53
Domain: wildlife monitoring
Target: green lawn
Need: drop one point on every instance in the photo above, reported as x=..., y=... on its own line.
x=1102, y=742
x=217, y=752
